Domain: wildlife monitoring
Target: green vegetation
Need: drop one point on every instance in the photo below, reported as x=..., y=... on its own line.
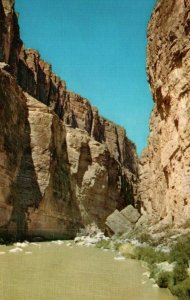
x=181, y=289
x=145, y=238
x=178, y=280
x=104, y=244
x=117, y=245
x=108, y=244
x=164, y=279
x=127, y=250
x=150, y=255
x=179, y=273
x=180, y=251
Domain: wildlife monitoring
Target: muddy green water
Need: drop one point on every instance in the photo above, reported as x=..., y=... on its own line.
x=48, y=271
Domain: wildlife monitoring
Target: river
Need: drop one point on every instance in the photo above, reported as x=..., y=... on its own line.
x=64, y=271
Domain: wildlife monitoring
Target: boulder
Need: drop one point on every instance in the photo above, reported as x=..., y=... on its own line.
x=130, y=213
x=118, y=223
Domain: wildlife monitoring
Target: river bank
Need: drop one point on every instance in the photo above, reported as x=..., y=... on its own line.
x=64, y=270
x=167, y=262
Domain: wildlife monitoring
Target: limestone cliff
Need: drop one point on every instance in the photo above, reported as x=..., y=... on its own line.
x=164, y=188
x=35, y=76
x=10, y=42
x=13, y=112
x=33, y=198
x=63, y=166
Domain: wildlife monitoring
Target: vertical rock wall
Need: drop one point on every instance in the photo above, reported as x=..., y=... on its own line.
x=164, y=168
x=13, y=111
x=63, y=165
x=10, y=42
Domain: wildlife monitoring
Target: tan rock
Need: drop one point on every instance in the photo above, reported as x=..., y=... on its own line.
x=63, y=166
x=13, y=113
x=130, y=213
x=164, y=188
x=53, y=208
x=95, y=177
x=118, y=223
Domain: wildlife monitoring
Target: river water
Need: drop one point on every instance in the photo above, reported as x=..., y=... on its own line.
x=64, y=271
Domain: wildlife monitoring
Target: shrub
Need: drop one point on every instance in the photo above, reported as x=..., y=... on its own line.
x=103, y=244
x=164, y=279
x=180, y=251
x=117, y=245
x=179, y=273
x=182, y=289
x=145, y=238
x=150, y=255
x=177, y=281
x=127, y=250
x=153, y=270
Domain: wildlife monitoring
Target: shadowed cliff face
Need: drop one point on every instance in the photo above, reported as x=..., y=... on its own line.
x=63, y=165
x=35, y=76
x=54, y=213
x=10, y=42
x=165, y=165
x=13, y=112
x=35, y=187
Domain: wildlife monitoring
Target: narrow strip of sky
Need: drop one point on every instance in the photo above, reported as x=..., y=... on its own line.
x=99, y=48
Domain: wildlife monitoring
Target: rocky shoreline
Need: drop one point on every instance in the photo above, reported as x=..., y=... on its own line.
x=167, y=262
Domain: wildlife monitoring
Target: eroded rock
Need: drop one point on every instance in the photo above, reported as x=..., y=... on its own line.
x=122, y=222
x=63, y=165
x=165, y=164
x=130, y=213
x=118, y=223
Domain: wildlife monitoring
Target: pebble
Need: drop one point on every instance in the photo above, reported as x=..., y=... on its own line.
x=119, y=258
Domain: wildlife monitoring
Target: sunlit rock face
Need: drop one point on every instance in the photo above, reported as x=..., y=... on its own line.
x=164, y=168
x=96, y=177
x=63, y=166
x=36, y=78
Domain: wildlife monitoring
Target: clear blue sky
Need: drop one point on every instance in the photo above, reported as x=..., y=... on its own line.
x=99, y=48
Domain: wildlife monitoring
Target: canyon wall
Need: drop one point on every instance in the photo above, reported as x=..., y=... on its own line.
x=164, y=169
x=62, y=165
x=10, y=42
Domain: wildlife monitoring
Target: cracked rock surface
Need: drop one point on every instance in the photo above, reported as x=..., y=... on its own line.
x=164, y=168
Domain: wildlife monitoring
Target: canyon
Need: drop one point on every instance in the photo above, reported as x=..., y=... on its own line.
x=63, y=166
